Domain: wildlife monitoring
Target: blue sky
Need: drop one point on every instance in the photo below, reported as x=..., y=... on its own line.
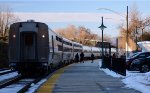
x=61, y=13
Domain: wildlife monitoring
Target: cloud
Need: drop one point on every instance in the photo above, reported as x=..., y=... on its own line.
x=69, y=17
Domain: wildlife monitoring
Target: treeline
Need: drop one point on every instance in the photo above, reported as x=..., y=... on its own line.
x=7, y=17
x=138, y=26
x=80, y=34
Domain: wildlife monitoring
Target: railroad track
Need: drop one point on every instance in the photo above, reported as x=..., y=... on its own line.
x=18, y=84
x=28, y=85
x=9, y=81
x=6, y=72
x=4, y=69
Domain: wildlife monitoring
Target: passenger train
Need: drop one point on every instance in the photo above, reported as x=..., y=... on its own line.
x=33, y=47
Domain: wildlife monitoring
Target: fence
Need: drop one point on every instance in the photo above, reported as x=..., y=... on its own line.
x=118, y=65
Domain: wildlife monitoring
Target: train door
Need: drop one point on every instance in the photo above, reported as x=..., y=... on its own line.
x=28, y=46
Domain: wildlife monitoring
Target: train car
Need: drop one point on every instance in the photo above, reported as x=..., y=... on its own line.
x=96, y=51
x=77, y=48
x=67, y=51
x=29, y=46
x=87, y=50
x=56, y=50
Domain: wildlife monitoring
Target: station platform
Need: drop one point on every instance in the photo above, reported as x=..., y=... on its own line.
x=83, y=78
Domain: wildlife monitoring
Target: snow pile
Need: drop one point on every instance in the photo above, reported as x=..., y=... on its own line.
x=8, y=76
x=36, y=86
x=112, y=73
x=109, y=72
x=138, y=81
x=4, y=71
x=133, y=79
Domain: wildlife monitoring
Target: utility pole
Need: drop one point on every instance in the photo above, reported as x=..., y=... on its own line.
x=127, y=36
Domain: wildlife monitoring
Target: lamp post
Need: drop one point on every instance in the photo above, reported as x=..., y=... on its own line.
x=126, y=25
x=102, y=27
x=127, y=40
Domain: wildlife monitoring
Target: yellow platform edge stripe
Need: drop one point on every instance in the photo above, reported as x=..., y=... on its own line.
x=48, y=86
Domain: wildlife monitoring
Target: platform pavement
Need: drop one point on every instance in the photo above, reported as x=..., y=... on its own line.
x=87, y=78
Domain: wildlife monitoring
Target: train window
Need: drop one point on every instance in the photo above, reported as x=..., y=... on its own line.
x=56, y=38
x=77, y=45
x=60, y=48
x=28, y=39
x=60, y=40
x=67, y=43
x=66, y=49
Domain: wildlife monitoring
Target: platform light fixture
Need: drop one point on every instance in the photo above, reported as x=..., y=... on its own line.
x=14, y=36
x=102, y=27
x=43, y=36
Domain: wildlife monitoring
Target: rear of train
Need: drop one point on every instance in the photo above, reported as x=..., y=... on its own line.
x=29, y=47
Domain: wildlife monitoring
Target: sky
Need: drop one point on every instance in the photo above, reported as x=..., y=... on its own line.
x=62, y=13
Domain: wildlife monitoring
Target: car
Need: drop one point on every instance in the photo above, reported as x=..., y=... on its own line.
x=134, y=57
x=141, y=64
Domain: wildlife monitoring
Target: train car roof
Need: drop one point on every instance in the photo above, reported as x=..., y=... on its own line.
x=29, y=22
x=96, y=49
x=76, y=43
x=55, y=32
x=67, y=40
x=86, y=48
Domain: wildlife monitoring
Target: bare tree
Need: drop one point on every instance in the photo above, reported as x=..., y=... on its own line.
x=79, y=34
x=6, y=18
x=69, y=32
x=135, y=20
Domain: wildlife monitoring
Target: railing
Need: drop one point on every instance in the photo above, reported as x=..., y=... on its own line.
x=117, y=65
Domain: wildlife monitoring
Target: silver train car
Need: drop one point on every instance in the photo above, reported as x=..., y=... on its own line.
x=89, y=50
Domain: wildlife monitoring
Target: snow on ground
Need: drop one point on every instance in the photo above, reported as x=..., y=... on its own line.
x=4, y=71
x=14, y=88
x=133, y=79
x=109, y=72
x=11, y=89
x=7, y=76
x=138, y=81
x=36, y=86
x=112, y=73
